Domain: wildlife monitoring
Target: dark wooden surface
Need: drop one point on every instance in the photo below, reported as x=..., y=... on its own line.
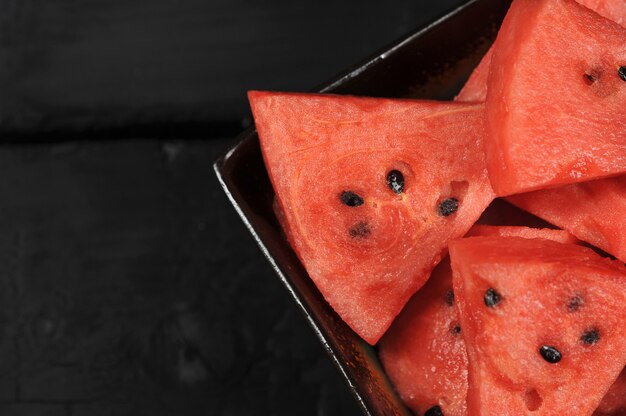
x=68, y=64
x=128, y=285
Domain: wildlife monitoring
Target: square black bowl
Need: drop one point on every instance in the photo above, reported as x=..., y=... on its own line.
x=433, y=63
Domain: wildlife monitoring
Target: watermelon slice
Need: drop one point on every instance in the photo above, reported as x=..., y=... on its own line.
x=423, y=352
x=614, y=402
x=542, y=322
x=554, y=112
x=594, y=211
x=475, y=89
x=371, y=192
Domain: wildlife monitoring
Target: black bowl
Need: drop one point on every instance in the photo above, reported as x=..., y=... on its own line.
x=433, y=63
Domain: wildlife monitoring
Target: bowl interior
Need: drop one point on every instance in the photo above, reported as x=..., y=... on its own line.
x=433, y=62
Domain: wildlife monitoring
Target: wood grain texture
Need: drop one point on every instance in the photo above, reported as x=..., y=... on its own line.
x=69, y=64
x=129, y=287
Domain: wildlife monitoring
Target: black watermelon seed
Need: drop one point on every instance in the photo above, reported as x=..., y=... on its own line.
x=450, y=298
x=492, y=298
x=360, y=230
x=434, y=411
x=455, y=329
x=622, y=72
x=448, y=207
x=590, y=79
x=550, y=354
x=574, y=303
x=590, y=337
x=351, y=199
x=395, y=181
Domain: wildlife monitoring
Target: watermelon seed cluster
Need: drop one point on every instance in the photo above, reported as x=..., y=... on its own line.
x=395, y=181
x=550, y=354
x=351, y=199
x=448, y=207
x=492, y=298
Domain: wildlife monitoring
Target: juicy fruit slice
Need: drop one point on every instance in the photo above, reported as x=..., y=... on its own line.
x=542, y=323
x=614, y=402
x=475, y=89
x=593, y=211
x=554, y=114
x=423, y=352
x=372, y=190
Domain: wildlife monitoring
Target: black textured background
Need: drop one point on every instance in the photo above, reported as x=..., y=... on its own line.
x=128, y=285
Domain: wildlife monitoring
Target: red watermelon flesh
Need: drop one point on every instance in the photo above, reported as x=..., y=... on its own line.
x=614, y=402
x=423, y=352
x=542, y=322
x=336, y=163
x=560, y=236
x=593, y=211
x=554, y=112
x=611, y=9
x=475, y=89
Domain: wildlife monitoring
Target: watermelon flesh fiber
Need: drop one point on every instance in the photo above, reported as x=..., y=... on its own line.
x=549, y=294
x=423, y=351
x=368, y=259
x=577, y=126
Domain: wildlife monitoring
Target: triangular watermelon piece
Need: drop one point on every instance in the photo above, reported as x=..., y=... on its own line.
x=423, y=352
x=372, y=190
x=475, y=89
x=555, y=103
x=593, y=211
x=542, y=322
